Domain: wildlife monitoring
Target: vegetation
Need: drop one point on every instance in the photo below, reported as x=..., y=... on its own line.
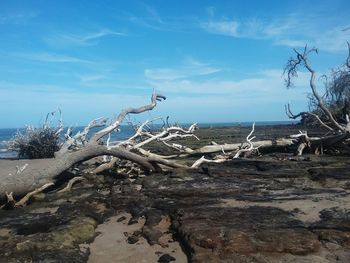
x=337, y=95
x=36, y=143
x=331, y=109
x=336, y=98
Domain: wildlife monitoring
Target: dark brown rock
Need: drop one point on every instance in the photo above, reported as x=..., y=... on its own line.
x=166, y=258
x=120, y=219
x=132, y=239
x=248, y=210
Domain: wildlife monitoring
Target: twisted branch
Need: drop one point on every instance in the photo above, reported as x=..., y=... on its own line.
x=291, y=72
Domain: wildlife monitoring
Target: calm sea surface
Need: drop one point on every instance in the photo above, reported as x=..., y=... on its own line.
x=125, y=132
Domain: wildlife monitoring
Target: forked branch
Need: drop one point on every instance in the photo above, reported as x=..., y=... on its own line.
x=119, y=119
x=291, y=70
x=303, y=114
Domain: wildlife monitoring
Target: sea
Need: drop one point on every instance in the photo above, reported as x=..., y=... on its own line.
x=124, y=132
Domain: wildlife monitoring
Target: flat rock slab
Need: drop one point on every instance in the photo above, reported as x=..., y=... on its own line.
x=270, y=209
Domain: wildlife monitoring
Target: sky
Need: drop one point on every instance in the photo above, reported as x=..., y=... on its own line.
x=215, y=61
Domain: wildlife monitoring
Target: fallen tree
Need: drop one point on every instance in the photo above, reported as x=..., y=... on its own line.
x=37, y=175
x=28, y=177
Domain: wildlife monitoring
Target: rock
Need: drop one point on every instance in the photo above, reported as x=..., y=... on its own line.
x=341, y=238
x=266, y=209
x=166, y=258
x=120, y=219
x=133, y=221
x=132, y=239
x=38, y=197
x=152, y=235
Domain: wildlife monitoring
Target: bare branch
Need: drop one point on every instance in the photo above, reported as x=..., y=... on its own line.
x=202, y=160
x=79, y=139
x=249, y=140
x=303, y=141
x=291, y=72
x=138, y=133
x=26, y=198
x=168, y=134
x=70, y=184
x=303, y=114
x=118, y=120
x=10, y=203
x=21, y=169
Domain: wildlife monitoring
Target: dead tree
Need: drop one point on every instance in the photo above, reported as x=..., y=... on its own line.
x=33, y=174
x=340, y=132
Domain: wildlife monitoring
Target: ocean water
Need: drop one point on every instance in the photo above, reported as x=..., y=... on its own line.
x=125, y=132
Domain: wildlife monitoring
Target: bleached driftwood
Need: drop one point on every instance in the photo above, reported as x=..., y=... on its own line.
x=70, y=184
x=340, y=132
x=74, y=150
x=223, y=158
x=135, y=143
x=31, y=175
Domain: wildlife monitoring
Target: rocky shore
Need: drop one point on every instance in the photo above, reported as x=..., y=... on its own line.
x=270, y=208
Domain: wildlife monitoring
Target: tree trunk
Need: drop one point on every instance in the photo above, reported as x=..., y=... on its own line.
x=41, y=171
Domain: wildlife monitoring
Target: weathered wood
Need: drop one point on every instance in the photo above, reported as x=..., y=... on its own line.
x=32, y=174
x=40, y=172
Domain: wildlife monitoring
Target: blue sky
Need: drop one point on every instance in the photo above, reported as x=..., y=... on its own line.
x=216, y=61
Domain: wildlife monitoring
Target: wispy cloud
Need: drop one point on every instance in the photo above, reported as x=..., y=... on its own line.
x=150, y=18
x=223, y=99
x=223, y=27
x=50, y=57
x=12, y=86
x=294, y=30
x=265, y=84
x=92, y=78
x=229, y=100
x=92, y=38
x=16, y=18
x=27, y=103
x=191, y=68
x=153, y=14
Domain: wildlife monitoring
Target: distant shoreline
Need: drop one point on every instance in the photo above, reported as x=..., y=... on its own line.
x=200, y=124
x=127, y=131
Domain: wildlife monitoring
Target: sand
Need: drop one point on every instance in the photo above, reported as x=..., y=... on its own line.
x=111, y=245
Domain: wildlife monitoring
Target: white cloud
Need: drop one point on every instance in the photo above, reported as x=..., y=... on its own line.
x=99, y=34
x=266, y=85
x=187, y=100
x=294, y=30
x=224, y=27
x=153, y=14
x=50, y=57
x=91, y=78
x=92, y=38
x=16, y=18
x=9, y=87
x=222, y=100
x=333, y=40
x=291, y=42
x=191, y=68
x=211, y=10
x=27, y=104
x=149, y=18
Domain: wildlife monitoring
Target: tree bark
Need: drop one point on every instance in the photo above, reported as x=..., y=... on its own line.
x=42, y=171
